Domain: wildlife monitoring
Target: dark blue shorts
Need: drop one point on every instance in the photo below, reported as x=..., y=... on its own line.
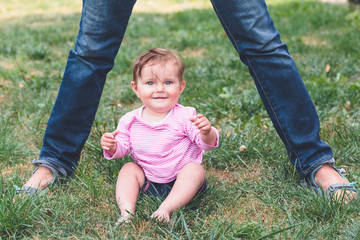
x=163, y=189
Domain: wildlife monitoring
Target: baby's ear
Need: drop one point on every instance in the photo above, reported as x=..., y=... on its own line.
x=134, y=87
x=182, y=86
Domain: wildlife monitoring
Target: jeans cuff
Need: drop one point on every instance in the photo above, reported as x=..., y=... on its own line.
x=330, y=161
x=57, y=170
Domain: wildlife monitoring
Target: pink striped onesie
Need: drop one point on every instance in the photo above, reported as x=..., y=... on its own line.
x=162, y=149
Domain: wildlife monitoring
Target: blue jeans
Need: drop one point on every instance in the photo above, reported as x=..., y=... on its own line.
x=252, y=33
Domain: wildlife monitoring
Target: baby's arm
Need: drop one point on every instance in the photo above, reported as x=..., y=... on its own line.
x=108, y=142
x=207, y=133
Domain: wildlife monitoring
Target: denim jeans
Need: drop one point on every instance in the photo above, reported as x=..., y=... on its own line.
x=252, y=33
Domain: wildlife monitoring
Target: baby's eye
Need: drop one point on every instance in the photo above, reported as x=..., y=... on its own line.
x=149, y=83
x=168, y=82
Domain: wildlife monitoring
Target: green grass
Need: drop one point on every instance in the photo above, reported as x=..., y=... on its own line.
x=253, y=194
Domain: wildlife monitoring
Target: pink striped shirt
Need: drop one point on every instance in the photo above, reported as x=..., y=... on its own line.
x=161, y=149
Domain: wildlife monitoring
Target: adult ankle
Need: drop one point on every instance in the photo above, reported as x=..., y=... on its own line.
x=327, y=176
x=41, y=178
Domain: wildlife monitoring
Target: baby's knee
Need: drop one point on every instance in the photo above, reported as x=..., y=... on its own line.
x=132, y=170
x=131, y=166
x=196, y=166
x=195, y=170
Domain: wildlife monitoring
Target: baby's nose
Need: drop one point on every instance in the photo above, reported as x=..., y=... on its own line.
x=160, y=87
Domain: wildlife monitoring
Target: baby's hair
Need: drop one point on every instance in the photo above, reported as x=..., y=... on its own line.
x=157, y=56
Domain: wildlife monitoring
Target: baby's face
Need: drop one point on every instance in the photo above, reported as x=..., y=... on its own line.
x=159, y=87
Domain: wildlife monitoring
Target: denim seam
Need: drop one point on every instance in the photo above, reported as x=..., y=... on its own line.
x=257, y=79
x=224, y=24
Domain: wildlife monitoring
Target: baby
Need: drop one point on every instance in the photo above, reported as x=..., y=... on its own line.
x=165, y=139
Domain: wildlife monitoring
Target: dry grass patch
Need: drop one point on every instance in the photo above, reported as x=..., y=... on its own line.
x=251, y=209
x=313, y=41
x=12, y=11
x=253, y=172
x=8, y=66
x=22, y=169
x=50, y=19
x=223, y=175
x=194, y=52
x=33, y=72
x=164, y=6
x=334, y=1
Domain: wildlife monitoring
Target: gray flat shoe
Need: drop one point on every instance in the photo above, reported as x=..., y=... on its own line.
x=26, y=190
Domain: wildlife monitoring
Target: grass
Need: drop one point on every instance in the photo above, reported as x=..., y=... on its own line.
x=253, y=194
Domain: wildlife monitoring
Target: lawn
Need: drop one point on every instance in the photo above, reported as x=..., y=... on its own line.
x=252, y=194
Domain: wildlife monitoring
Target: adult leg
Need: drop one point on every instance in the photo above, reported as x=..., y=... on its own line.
x=131, y=178
x=102, y=26
x=252, y=33
x=188, y=182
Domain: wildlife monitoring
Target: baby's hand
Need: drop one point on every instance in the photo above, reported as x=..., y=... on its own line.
x=108, y=142
x=202, y=123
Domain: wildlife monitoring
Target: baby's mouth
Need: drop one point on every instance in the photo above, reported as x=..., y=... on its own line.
x=159, y=97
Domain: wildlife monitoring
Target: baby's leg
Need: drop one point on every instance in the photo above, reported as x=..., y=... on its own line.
x=130, y=180
x=188, y=182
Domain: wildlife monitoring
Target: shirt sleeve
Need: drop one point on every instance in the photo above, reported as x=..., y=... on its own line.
x=194, y=133
x=122, y=140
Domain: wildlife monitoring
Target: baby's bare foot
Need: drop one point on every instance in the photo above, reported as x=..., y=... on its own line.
x=127, y=212
x=122, y=220
x=327, y=176
x=161, y=215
